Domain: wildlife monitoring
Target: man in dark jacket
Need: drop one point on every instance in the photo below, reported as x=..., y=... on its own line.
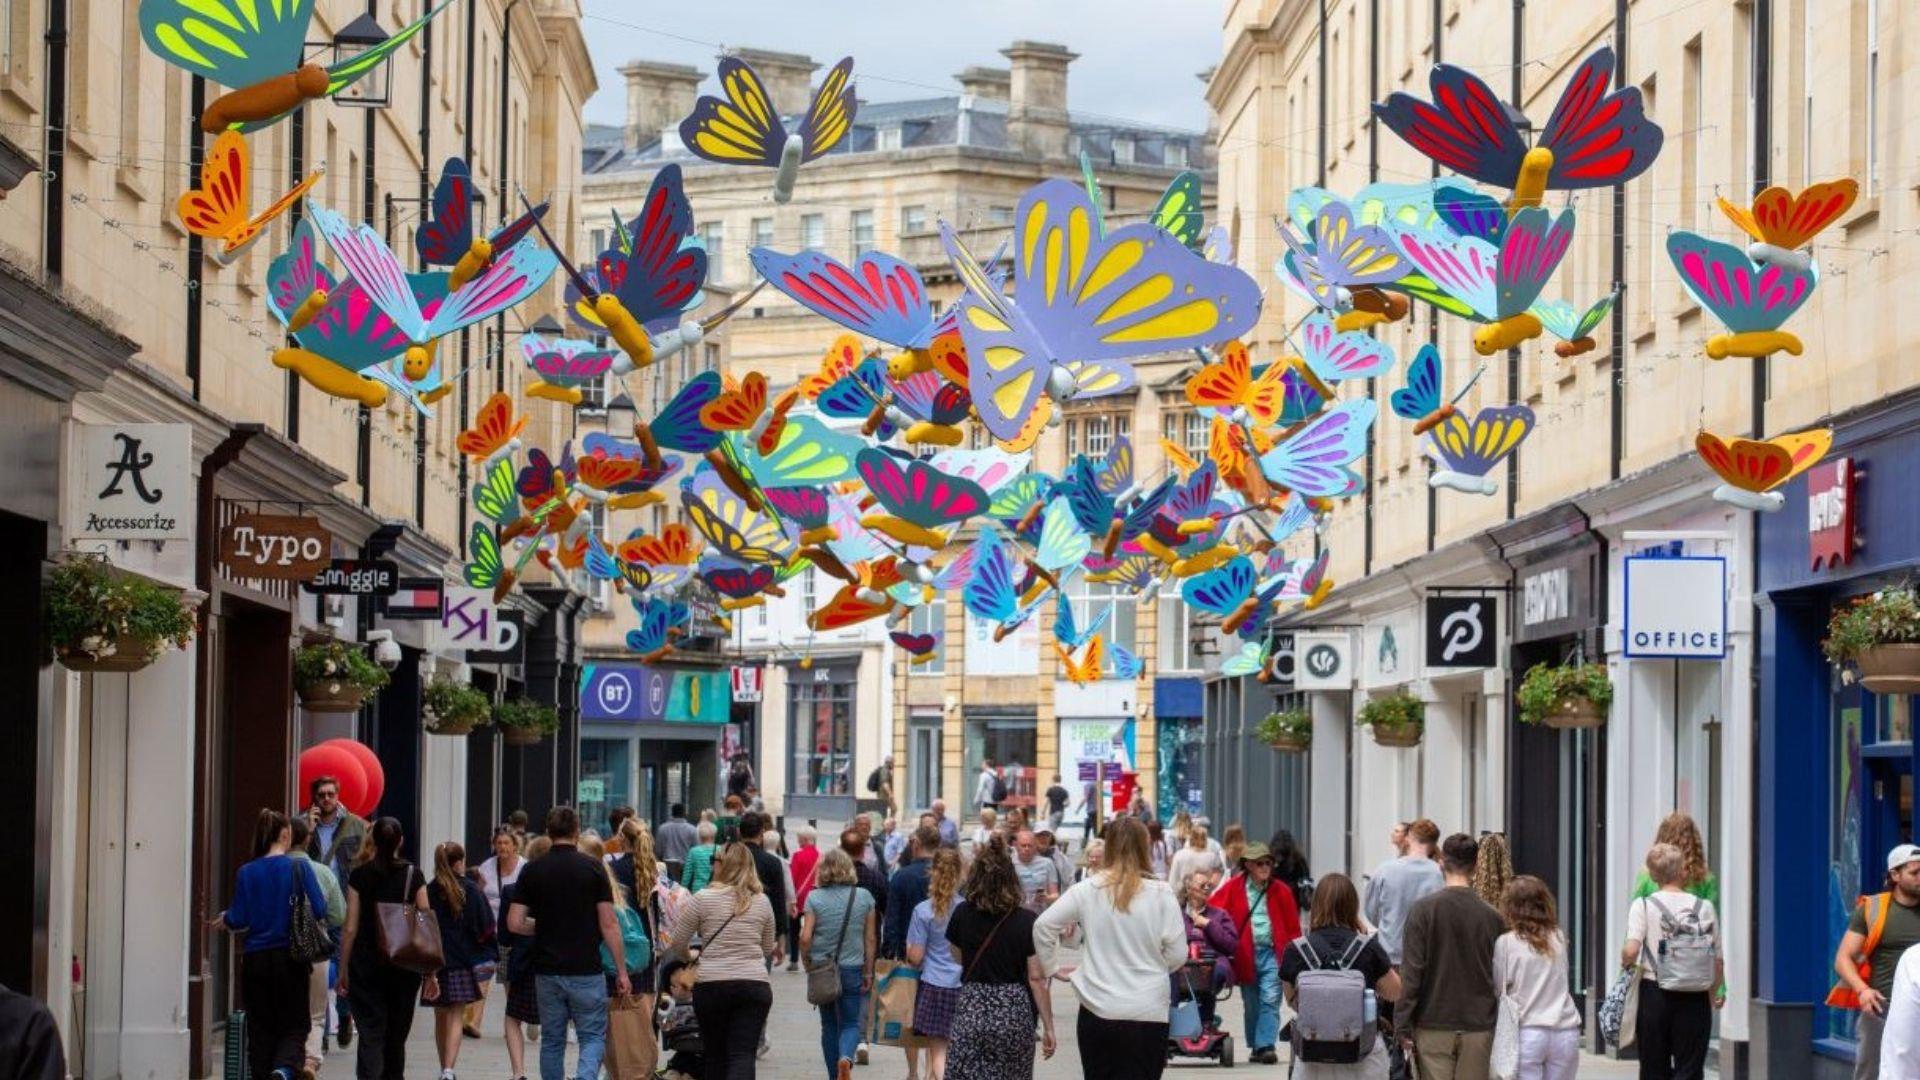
x=1448, y=1005
x=773, y=873
x=907, y=888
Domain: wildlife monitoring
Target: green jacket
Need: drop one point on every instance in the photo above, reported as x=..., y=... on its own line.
x=1708, y=890
x=329, y=885
x=698, y=869
x=347, y=842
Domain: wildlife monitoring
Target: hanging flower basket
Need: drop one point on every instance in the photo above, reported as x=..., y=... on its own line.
x=1398, y=719
x=1566, y=696
x=451, y=708
x=1288, y=732
x=523, y=722
x=1880, y=635
x=335, y=676
x=1890, y=669
x=101, y=620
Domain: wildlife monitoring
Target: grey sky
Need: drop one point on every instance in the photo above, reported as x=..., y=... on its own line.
x=1138, y=58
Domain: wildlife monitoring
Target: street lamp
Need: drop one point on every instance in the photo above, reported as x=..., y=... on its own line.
x=547, y=326
x=375, y=89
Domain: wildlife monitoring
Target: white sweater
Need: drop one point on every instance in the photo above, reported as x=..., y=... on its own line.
x=1126, y=955
x=1537, y=983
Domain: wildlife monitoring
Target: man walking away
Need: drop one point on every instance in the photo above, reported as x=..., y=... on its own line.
x=768, y=868
x=564, y=901
x=674, y=838
x=906, y=889
x=1056, y=803
x=1392, y=891
x=1884, y=926
x=1448, y=1007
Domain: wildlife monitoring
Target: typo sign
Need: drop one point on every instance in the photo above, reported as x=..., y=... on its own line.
x=136, y=482
x=356, y=577
x=1463, y=631
x=275, y=546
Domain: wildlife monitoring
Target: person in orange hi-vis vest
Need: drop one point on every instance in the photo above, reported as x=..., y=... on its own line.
x=1883, y=927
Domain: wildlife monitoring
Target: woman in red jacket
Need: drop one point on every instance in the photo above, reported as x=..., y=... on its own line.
x=1268, y=919
x=805, y=864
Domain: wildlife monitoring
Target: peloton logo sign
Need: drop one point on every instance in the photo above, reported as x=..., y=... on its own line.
x=1462, y=631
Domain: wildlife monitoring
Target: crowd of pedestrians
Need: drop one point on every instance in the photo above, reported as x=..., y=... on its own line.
x=647, y=949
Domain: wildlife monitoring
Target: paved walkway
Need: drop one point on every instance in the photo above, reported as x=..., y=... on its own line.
x=796, y=1047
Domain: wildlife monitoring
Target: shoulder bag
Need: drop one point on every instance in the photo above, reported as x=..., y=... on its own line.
x=308, y=939
x=823, y=979
x=410, y=937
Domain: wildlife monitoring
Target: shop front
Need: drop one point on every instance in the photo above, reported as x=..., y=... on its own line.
x=651, y=735
x=1178, y=706
x=1248, y=782
x=1836, y=762
x=1390, y=782
x=1465, y=688
x=1098, y=745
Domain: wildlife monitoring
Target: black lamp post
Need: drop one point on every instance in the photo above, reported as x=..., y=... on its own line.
x=375, y=89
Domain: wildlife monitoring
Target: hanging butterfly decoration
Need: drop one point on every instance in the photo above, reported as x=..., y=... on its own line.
x=563, y=366
x=217, y=210
x=1781, y=222
x=1753, y=299
x=1087, y=669
x=1467, y=450
x=1573, y=326
x=1066, y=629
x=1341, y=265
x=1496, y=273
x=921, y=504
x=257, y=50
x=742, y=127
x=1753, y=471
x=1420, y=399
x=341, y=340
x=447, y=238
x=495, y=434
x=660, y=622
x=918, y=647
x=1314, y=460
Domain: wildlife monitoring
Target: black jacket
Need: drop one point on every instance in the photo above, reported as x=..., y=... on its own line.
x=467, y=938
x=773, y=878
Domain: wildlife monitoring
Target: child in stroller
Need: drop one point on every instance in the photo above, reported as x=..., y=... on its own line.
x=1211, y=940
x=679, y=1028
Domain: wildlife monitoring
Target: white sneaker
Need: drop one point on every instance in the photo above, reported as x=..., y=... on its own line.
x=860, y=1054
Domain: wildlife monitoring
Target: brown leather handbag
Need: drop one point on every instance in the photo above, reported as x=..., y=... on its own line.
x=410, y=937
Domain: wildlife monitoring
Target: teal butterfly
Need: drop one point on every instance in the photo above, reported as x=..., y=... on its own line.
x=1063, y=543
x=1251, y=659
x=486, y=568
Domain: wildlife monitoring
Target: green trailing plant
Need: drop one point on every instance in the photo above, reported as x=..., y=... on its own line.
x=1548, y=687
x=1888, y=617
x=520, y=714
x=456, y=706
x=1394, y=713
x=330, y=662
x=90, y=607
x=1292, y=726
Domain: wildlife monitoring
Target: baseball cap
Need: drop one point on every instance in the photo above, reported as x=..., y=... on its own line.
x=1254, y=852
x=1901, y=855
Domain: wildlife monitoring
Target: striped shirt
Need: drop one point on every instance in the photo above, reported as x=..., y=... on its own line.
x=740, y=953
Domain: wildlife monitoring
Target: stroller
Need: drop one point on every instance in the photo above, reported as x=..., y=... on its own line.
x=679, y=1027
x=1195, y=982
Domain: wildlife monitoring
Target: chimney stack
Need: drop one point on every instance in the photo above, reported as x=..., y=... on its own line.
x=986, y=83
x=1037, y=120
x=659, y=96
x=788, y=77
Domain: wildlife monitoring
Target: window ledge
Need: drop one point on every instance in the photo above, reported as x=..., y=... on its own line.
x=127, y=179
x=1864, y=213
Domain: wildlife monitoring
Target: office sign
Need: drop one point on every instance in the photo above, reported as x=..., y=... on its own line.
x=1323, y=661
x=1676, y=607
x=420, y=599
x=277, y=547
x=355, y=577
x=136, y=482
x=1830, y=507
x=1463, y=631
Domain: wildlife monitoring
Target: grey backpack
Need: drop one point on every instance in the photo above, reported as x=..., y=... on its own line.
x=1684, y=961
x=1330, y=1004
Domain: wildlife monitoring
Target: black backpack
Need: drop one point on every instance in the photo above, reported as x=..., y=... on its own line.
x=999, y=788
x=873, y=779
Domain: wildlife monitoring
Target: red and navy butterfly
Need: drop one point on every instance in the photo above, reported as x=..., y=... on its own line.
x=879, y=296
x=735, y=580
x=448, y=234
x=1598, y=137
x=661, y=273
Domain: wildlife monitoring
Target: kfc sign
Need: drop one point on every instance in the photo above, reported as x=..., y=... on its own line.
x=1830, y=505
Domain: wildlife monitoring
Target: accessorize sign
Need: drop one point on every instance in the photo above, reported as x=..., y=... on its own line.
x=136, y=482
x=1676, y=607
x=1323, y=661
x=278, y=547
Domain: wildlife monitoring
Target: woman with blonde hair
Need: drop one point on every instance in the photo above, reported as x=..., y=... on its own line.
x=638, y=872
x=1673, y=1024
x=929, y=950
x=1233, y=843
x=1680, y=830
x=1196, y=855
x=467, y=939
x=837, y=931
x=633, y=931
x=1530, y=967
x=1134, y=938
x=733, y=923
x=1494, y=870
x=988, y=829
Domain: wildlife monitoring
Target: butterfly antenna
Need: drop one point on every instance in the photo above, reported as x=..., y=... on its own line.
x=579, y=280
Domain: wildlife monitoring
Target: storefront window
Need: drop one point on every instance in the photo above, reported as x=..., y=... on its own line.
x=820, y=730
x=1843, y=848
x=1178, y=636
x=1011, y=741
x=606, y=777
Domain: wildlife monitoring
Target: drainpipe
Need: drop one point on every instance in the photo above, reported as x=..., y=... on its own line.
x=424, y=193
x=506, y=207
x=196, y=264
x=1762, y=68
x=1617, y=345
x=206, y=813
x=1433, y=314
x=1373, y=176
x=367, y=194
x=1518, y=94
x=466, y=335
x=54, y=198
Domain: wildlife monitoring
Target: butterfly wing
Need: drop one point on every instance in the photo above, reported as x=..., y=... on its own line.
x=1100, y=378
x=1179, y=210
x=917, y=492
x=1125, y=664
x=1313, y=460
x=830, y=118
x=1012, y=501
x=1465, y=268
x=1475, y=446
x=739, y=128
x=736, y=410
x=1785, y=220
x=217, y=209
x=989, y=593
x=296, y=273
x=678, y=426
x=1333, y=356
x=495, y=496
x=1464, y=128
x=1354, y=254
x=1762, y=466
x=1062, y=542
x=513, y=277
x=730, y=525
x=1222, y=590
x=371, y=264
x=1536, y=240
x=1466, y=212
x=512, y=232
x=1251, y=658
x=445, y=237
x=236, y=43
x=879, y=296
x=1598, y=136
x=1225, y=382
x=1116, y=470
x=1420, y=397
x=484, y=565
x=662, y=272
x=809, y=452
x=1744, y=295
x=1007, y=367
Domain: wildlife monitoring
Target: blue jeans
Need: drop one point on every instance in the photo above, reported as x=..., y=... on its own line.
x=840, y=1021
x=582, y=999
x=1262, y=1000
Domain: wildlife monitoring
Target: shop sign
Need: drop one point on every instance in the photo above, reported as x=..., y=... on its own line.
x=749, y=683
x=1323, y=661
x=276, y=547
x=509, y=627
x=472, y=621
x=1281, y=662
x=1676, y=608
x=698, y=697
x=1463, y=631
x=593, y=791
x=1391, y=651
x=1830, y=505
x=355, y=577
x=1556, y=598
x=421, y=599
x=632, y=692
x=136, y=483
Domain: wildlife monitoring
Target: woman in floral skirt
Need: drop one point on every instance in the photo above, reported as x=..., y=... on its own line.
x=1001, y=983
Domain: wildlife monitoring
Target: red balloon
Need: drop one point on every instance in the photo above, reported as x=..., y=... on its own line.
x=376, y=775
x=341, y=764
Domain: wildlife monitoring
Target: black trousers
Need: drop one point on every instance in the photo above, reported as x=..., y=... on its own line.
x=1121, y=1049
x=1672, y=1028
x=384, y=999
x=273, y=988
x=1397, y=1066
x=732, y=1015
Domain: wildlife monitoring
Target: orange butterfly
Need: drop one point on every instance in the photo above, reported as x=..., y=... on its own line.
x=603, y=474
x=842, y=357
x=674, y=546
x=738, y=406
x=1785, y=221
x=1087, y=668
x=1753, y=469
x=217, y=209
x=494, y=432
x=1178, y=455
x=774, y=423
x=850, y=606
x=949, y=357
x=1229, y=383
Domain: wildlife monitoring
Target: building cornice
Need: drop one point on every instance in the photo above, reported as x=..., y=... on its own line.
x=568, y=55
x=52, y=345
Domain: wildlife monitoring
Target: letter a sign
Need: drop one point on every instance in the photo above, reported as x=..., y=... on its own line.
x=136, y=483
